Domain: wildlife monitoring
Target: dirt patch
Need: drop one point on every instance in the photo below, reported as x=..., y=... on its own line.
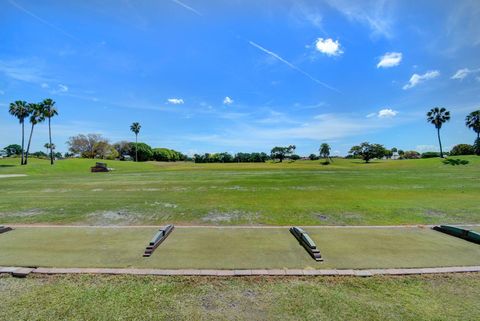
x=164, y=204
x=27, y=213
x=434, y=213
x=120, y=217
x=231, y=216
x=321, y=217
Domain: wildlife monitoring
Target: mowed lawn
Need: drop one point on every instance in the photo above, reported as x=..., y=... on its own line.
x=386, y=192
x=234, y=248
x=442, y=297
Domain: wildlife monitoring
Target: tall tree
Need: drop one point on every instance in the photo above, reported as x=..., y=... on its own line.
x=36, y=116
x=438, y=116
x=368, y=151
x=473, y=121
x=325, y=151
x=49, y=111
x=20, y=110
x=135, y=128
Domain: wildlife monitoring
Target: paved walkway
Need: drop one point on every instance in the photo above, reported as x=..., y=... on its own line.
x=22, y=271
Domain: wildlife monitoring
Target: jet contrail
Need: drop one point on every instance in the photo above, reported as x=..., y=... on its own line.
x=187, y=7
x=18, y=6
x=276, y=56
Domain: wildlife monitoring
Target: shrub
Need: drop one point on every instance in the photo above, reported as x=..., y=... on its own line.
x=430, y=154
x=145, y=152
x=313, y=157
x=411, y=154
x=462, y=149
x=455, y=162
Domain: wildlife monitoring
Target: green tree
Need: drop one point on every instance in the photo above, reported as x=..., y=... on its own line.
x=325, y=152
x=473, y=121
x=280, y=153
x=476, y=146
x=368, y=151
x=49, y=111
x=37, y=116
x=49, y=146
x=20, y=110
x=144, y=152
x=135, y=128
x=438, y=116
x=462, y=149
x=13, y=149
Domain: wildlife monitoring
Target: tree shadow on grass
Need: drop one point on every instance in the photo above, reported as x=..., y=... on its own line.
x=7, y=165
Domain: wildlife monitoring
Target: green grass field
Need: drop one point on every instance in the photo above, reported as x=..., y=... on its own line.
x=446, y=297
x=301, y=193
x=227, y=248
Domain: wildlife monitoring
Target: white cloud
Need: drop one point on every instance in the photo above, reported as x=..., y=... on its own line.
x=227, y=101
x=175, y=101
x=390, y=59
x=384, y=113
x=62, y=88
x=463, y=73
x=387, y=112
x=328, y=46
x=44, y=85
x=418, y=79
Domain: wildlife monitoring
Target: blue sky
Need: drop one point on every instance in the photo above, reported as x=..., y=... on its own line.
x=211, y=76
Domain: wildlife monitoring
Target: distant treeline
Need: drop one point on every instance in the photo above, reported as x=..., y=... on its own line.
x=229, y=158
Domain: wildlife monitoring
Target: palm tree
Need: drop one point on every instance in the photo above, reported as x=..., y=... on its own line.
x=438, y=116
x=37, y=115
x=50, y=111
x=20, y=110
x=325, y=152
x=473, y=121
x=135, y=128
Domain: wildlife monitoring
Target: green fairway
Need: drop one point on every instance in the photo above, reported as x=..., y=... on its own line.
x=299, y=193
x=239, y=248
x=412, y=298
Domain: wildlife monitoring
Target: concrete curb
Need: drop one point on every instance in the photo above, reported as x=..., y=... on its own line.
x=24, y=271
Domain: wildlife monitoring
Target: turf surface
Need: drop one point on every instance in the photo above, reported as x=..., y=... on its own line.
x=300, y=193
x=445, y=297
x=240, y=248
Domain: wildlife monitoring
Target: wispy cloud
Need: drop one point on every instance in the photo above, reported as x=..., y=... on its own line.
x=390, y=59
x=45, y=22
x=418, y=79
x=374, y=13
x=276, y=56
x=23, y=70
x=463, y=73
x=187, y=7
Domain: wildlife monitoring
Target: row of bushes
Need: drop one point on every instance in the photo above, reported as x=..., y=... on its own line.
x=229, y=158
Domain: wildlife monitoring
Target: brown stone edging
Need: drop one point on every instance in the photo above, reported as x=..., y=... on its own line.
x=238, y=226
x=23, y=271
